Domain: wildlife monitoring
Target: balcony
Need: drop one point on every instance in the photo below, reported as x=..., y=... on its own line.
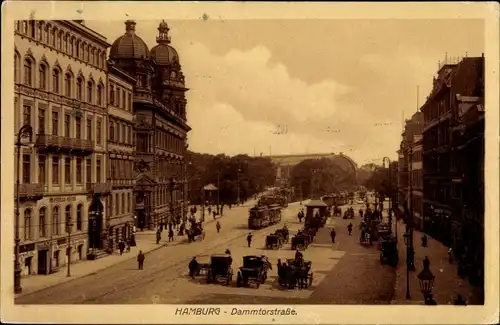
x=30, y=192
x=49, y=143
x=99, y=188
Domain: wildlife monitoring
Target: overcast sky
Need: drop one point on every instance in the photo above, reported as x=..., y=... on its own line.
x=337, y=85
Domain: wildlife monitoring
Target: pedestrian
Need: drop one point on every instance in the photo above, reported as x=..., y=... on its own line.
x=140, y=260
x=171, y=235
x=217, y=226
x=193, y=267
x=249, y=239
x=121, y=246
x=158, y=236
x=214, y=214
x=450, y=255
x=349, y=228
x=332, y=235
x=424, y=240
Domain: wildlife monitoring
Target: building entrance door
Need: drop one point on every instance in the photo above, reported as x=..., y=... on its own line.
x=42, y=262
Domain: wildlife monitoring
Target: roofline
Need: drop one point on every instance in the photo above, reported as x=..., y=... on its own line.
x=89, y=32
x=121, y=74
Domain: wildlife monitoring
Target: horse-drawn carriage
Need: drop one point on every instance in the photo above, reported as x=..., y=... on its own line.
x=283, y=233
x=337, y=211
x=295, y=274
x=254, y=270
x=389, y=251
x=195, y=232
x=273, y=241
x=301, y=240
x=220, y=268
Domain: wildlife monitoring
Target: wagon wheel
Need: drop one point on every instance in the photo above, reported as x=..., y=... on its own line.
x=311, y=277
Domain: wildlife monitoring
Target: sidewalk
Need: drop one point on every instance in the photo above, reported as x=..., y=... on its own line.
x=446, y=284
x=146, y=241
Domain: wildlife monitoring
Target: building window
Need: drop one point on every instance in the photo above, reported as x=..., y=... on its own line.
x=55, y=81
x=124, y=204
x=98, y=131
x=67, y=170
x=26, y=114
x=26, y=168
x=41, y=121
x=27, y=224
x=42, y=160
x=32, y=28
x=40, y=31
x=25, y=27
x=53, y=38
x=141, y=143
x=43, y=77
x=90, y=93
x=65, y=44
x=41, y=222
x=99, y=95
x=67, y=121
x=67, y=218
x=111, y=95
x=130, y=102
x=89, y=170
x=89, y=129
x=55, y=220
x=79, y=213
x=98, y=170
x=28, y=73
x=111, y=131
x=79, y=88
x=118, y=96
x=78, y=123
x=55, y=123
x=55, y=170
x=67, y=85
x=79, y=170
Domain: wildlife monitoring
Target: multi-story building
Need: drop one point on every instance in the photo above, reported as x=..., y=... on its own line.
x=60, y=90
x=161, y=128
x=467, y=167
x=121, y=156
x=410, y=165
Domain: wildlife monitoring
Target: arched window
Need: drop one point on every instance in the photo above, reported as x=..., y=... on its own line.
x=111, y=131
x=41, y=222
x=90, y=92
x=70, y=45
x=28, y=72
x=27, y=224
x=87, y=53
x=79, y=88
x=77, y=48
x=55, y=220
x=91, y=56
x=67, y=84
x=43, y=76
x=59, y=40
x=32, y=28
x=65, y=43
x=99, y=95
x=40, y=31
x=55, y=80
x=46, y=34
x=67, y=217
x=112, y=95
x=79, y=214
x=53, y=37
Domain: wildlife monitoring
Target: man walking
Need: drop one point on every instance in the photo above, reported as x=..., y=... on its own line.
x=140, y=260
x=332, y=235
x=158, y=236
x=349, y=228
x=121, y=246
x=249, y=239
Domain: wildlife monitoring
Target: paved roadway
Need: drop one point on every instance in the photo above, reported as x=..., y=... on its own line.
x=344, y=273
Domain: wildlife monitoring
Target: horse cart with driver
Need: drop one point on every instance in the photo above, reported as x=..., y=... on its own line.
x=195, y=232
x=301, y=240
x=296, y=273
x=273, y=241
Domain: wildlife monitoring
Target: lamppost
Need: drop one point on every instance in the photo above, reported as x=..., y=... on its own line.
x=426, y=282
x=26, y=131
x=185, y=189
x=68, y=251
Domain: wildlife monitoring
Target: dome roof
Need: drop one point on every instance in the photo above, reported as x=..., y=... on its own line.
x=163, y=53
x=129, y=45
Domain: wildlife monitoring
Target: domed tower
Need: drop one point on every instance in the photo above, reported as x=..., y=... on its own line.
x=130, y=54
x=168, y=83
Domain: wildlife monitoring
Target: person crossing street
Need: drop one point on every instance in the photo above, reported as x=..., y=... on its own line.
x=217, y=225
x=249, y=239
x=349, y=228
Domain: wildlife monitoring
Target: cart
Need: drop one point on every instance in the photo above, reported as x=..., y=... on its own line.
x=220, y=269
x=273, y=241
x=300, y=241
x=389, y=252
x=296, y=275
x=254, y=270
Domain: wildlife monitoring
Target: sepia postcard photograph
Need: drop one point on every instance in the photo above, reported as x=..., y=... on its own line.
x=307, y=163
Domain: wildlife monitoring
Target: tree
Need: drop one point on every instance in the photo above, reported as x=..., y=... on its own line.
x=384, y=180
x=315, y=177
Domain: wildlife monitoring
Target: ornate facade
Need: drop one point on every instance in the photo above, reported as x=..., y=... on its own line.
x=121, y=156
x=60, y=90
x=161, y=128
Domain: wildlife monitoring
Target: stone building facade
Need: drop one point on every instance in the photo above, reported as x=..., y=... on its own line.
x=60, y=90
x=121, y=156
x=161, y=128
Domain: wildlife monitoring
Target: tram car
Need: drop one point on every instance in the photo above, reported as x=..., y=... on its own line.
x=264, y=216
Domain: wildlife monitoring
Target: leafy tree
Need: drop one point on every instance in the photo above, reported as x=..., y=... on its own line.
x=384, y=180
x=316, y=177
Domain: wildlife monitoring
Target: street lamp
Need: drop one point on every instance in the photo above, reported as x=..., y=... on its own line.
x=426, y=282
x=24, y=132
